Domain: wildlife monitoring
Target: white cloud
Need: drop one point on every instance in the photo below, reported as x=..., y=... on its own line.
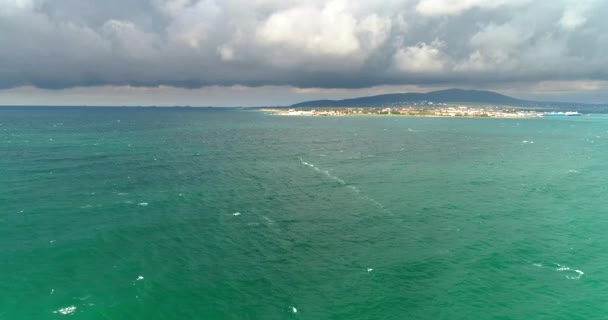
x=451, y=7
x=303, y=43
x=575, y=13
x=192, y=22
x=171, y=7
x=497, y=47
x=226, y=52
x=329, y=30
x=421, y=58
x=16, y=4
x=129, y=39
x=374, y=29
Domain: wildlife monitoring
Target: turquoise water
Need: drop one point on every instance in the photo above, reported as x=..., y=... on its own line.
x=131, y=213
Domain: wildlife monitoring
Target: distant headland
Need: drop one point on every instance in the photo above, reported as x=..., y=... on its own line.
x=450, y=102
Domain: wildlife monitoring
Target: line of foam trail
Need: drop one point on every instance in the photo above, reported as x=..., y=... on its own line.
x=366, y=197
x=270, y=221
x=325, y=172
x=579, y=273
x=351, y=187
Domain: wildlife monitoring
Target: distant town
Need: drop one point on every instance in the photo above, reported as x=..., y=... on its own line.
x=426, y=110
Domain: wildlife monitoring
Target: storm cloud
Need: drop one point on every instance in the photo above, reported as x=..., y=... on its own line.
x=56, y=44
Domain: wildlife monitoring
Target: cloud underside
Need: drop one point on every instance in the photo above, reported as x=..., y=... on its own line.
x=302, y=43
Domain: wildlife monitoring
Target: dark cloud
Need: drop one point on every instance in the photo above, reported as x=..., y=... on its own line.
x=303, y=43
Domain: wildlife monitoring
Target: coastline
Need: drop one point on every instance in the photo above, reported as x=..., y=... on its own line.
x=460, y=112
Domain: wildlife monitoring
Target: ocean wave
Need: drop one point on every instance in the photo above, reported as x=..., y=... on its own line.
x=570, y=273
x=66, y=310
x=573, y=274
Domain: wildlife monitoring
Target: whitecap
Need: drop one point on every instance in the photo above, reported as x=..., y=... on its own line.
x=236, y=214
x=370, y=269
x=572, y=274
x=294, y=310
x=122, y=193
x=140, y=278
x=66, y=310
x=355, y=189
x=143, y=204
x=270, y=221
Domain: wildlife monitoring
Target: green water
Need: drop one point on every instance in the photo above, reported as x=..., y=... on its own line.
x=340, y=217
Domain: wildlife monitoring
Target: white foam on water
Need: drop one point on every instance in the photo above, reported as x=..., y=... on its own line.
x=140, y=278
x=122, y=193
x=52, y=241
x=143, y=204
x=342, y=182
x=355, y=189
x=236, y=214
x=66, y=310
x=270, y=221
x=293, y=309
x=52, y=291
x=325, y=172
x=538, y=265
x=370, y=269
x=573, y=274
x=20, y=211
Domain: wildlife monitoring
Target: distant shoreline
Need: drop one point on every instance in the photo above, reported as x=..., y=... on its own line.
x=442, y=112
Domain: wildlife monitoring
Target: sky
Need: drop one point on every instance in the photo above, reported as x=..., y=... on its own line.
x=279, y=52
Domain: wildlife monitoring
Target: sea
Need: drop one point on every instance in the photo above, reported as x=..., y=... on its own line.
x=209, y=213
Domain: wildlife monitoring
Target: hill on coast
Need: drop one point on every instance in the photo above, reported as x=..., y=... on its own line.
x=442, y=96
x=454, y=96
